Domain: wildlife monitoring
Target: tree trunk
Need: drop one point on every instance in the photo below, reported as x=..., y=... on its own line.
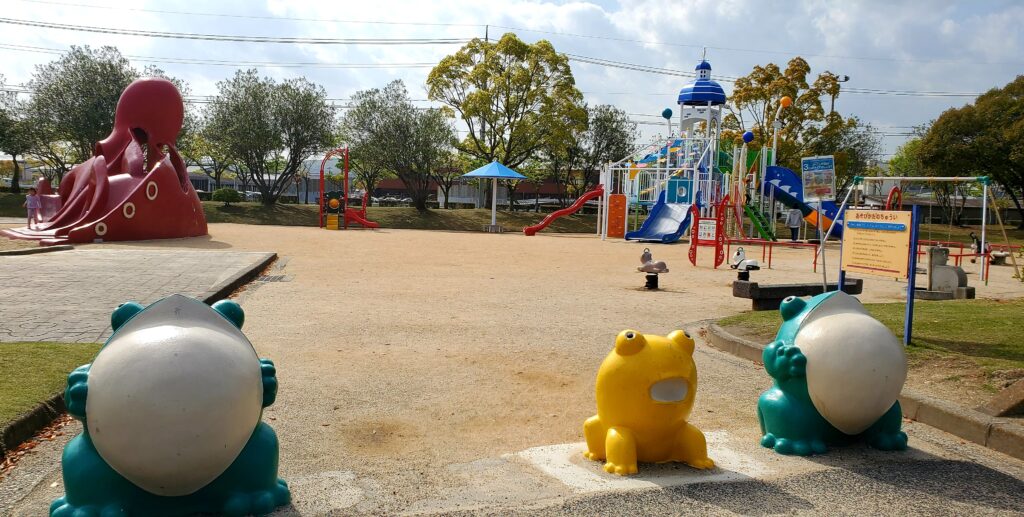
x=15, y=187
x=420, y=202
x=1020, y=210
x=445, y=191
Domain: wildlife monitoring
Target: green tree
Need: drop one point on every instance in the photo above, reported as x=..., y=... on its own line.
x=270, y=127
x=807, y=129
x=755, y=101
x=609, y=136
x=563, y=161
x=199, y=149
x=448, y=171
x=982, y=139
x=74, y=98
x=365, y=165
x=386, y=126
x=15, y=136
x=907, y=160
x=513, y=96
x=226, y=195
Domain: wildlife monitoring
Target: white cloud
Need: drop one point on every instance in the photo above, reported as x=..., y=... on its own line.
x=917, y=45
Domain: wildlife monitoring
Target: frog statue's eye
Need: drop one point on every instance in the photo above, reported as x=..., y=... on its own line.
x=682, y=339
x=629, y=342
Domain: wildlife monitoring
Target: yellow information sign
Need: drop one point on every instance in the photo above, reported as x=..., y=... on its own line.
x=877, y=242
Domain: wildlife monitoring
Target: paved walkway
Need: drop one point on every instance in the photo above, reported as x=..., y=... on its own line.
x=68, y=295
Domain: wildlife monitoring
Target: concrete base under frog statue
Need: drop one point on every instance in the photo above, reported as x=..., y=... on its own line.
x=172, y=409
x=645, y=391
x=838, y=373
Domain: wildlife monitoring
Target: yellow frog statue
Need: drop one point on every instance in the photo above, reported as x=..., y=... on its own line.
x=645, y=391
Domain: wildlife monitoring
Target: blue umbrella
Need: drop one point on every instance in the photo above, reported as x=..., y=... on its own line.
x=495, y=171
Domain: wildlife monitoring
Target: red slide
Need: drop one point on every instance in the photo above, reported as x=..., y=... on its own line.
x=599, y=191
x=353, y=215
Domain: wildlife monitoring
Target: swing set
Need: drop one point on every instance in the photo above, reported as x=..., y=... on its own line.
x=894, y=201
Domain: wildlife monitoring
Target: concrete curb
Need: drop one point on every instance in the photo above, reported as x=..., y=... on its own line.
x=998, y=434
x=27, y=425
x=38, y=249
x=228, y=286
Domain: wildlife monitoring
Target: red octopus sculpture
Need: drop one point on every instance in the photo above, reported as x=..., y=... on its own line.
x=135, y=186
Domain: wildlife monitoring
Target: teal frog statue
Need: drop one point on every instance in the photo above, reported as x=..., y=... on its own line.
x=838, y=373
x=171, y=408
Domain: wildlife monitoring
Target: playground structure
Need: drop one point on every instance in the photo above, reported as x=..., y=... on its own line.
x=572, y=209
x=651, y=269
x=689, y=183
x=335, y=213
x=135, y=186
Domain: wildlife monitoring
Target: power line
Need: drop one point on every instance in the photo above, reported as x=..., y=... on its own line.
x=759, y=51
x=234, y=38
x=251, y=16
x=573, y=57
x=220, y=62
x=524, y=29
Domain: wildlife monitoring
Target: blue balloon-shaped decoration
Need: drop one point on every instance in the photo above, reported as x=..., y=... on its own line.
x=748, y=136
x=667, y=113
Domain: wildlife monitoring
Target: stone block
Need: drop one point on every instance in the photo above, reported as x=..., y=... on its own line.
x=1008, y=402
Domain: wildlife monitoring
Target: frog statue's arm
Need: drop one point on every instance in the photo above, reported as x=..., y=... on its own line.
x=78, y=388
x=783, y=360
x=234, y=313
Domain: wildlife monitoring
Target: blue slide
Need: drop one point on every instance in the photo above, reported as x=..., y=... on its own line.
x=788, y=190
x=666, y=223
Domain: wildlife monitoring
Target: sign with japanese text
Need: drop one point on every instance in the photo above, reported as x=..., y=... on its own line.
x=706, y=229
x=877, y=242
x=818, y=174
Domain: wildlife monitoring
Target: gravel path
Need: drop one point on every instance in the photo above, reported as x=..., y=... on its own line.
x=414, y=365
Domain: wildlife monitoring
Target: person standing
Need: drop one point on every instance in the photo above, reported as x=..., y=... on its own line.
x=33, y=204
x=793, y=218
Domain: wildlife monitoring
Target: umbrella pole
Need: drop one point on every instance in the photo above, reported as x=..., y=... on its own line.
x=494, y=201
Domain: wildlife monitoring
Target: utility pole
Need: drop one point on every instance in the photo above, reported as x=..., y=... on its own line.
x=839, y=79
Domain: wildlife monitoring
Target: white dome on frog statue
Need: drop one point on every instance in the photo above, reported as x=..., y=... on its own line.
x=174, y=396
x=856, y=367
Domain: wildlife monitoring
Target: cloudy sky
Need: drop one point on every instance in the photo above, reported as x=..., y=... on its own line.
x=907, y=60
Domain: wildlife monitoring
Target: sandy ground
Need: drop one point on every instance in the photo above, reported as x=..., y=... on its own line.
x=14, y=244
x=412, y=363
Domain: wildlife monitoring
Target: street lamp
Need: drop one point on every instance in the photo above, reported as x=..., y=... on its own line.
x=839, y=79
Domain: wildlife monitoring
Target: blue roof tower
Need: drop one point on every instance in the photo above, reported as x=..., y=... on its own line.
x=702, y=90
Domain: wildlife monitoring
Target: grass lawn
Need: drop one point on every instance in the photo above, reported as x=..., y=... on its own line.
x=32, y=372
x=10, y=205
x=395, y=217
x=472, y=220
x=984, y=333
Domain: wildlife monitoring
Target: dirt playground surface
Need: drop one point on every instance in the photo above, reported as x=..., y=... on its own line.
x=410, y=362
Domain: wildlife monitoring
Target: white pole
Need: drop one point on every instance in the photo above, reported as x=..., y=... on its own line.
x=494, y=201
x=984, y=219
x=824, y=275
